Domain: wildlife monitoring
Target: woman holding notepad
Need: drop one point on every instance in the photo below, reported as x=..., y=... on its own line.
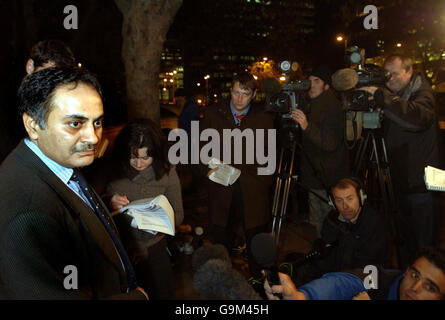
x=142, y=170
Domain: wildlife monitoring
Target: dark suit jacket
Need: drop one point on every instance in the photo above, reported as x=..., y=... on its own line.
x=44, y=227
x=255, y=188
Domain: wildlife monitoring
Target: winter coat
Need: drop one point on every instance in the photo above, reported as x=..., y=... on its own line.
x=255, y=188
x=411, y=132
x=324, y=156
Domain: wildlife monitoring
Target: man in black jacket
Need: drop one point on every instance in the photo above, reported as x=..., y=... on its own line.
x=356, y=231
x=411, y=132
x=324, y=159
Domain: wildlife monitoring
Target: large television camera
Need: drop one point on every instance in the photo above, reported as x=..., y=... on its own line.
x=285, y=98
x=358, y=104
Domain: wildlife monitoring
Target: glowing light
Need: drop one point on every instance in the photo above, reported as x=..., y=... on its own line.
x=339, y=38
x=398, y=44
x=283, y=78
x=198, y=84
x=199, y=101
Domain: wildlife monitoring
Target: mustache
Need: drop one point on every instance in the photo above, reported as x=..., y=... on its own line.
x=84, y=147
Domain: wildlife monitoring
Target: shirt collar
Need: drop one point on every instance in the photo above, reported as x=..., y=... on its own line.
x=60, y=171
x=353, y=221
x=240, y=114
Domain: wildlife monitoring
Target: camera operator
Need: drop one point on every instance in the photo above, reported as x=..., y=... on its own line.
x=325, y=157
x=411, y=133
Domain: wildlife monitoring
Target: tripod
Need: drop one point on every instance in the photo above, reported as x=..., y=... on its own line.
x=283, y=186
x=284, y=175
x=373, y=146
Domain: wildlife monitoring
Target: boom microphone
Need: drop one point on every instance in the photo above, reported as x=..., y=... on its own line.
x=209, y=252
x=264, y=252
x=214, y=277
x=344, y=79
x=216, y=280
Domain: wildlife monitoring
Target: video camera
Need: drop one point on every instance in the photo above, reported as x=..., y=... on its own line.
x=358, y=104
x=283, y=99
x=350, y=80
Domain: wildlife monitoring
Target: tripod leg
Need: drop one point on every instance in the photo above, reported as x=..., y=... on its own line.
x=382, y=185
x=285, y=198
x=277, y=192
x=358, y=163
x=393, y=207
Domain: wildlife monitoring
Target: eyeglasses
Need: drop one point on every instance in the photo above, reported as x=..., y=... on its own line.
x=427, y=284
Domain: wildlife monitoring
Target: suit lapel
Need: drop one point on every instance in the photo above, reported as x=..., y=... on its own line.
x=75, y=204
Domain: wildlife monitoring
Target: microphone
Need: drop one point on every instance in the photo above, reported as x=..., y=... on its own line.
x=264, y=253
x=321, y=249
x=208, y=252
x=344, y=79
x=216, y=280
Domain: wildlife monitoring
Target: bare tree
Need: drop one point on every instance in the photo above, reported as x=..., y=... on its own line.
x=145, y=26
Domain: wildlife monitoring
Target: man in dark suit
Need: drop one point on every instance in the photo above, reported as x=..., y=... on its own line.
x=57, y=238
x=244, y=204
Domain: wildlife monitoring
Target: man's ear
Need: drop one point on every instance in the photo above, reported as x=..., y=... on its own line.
x=31, y=126
x=29, y=66
x=326, y=87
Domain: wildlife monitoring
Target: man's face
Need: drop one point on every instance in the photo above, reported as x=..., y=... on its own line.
x=399, y=76
x=74, y=126
x=317, y=87
x=422, y=281
x=241, y=97
x=347, y=202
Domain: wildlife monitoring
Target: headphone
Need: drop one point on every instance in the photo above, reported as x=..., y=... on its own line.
x=352, y=181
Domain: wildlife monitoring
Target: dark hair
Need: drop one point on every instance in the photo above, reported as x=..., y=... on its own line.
x=36, y=92
x=52, y=50
x=434, y=255
x=137, y=134
x=246, y=81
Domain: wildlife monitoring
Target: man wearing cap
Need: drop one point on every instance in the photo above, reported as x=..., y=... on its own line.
x=324, y=158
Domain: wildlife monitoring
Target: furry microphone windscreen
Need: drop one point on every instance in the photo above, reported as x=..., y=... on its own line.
x=216, y=280
x=208, y=252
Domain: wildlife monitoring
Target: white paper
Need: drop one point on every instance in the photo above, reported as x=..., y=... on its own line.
x=152, y=215
x=434, y=179
x=225, y=175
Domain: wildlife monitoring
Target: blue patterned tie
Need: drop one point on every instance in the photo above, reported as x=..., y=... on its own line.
x=109, y=226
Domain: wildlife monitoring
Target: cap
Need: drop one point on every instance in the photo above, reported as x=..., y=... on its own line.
x=322, y=72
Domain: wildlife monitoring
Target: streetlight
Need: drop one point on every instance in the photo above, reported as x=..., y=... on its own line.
x=206, y=78
x=341, y=38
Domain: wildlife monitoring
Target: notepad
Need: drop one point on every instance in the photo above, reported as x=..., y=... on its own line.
x=434, y=179
x=225, y=175
x=152, y=215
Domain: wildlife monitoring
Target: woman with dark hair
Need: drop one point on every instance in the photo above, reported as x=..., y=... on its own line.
x=143, y=171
